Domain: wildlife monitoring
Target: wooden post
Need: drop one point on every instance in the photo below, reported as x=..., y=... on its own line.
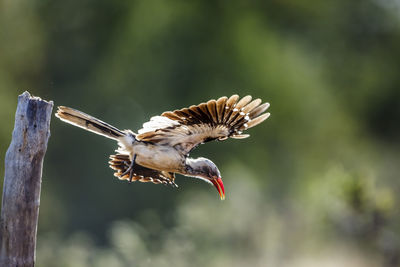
x=22, y=181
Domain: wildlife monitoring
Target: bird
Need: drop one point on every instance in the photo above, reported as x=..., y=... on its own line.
x=161, y=148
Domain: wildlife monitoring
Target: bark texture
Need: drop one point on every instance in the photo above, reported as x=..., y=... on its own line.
x=22, y=181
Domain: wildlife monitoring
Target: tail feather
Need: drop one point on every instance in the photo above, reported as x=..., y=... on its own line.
x=87, y=122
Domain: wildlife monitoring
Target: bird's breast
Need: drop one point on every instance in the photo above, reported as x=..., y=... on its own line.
x=159, y=157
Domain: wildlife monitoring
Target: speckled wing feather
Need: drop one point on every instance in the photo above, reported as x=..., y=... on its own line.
x=121, y=162
x=217, y=119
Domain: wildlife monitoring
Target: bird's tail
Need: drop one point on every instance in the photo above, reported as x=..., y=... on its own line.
x=89, y=123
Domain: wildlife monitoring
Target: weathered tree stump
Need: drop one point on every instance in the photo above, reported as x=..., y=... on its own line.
x=22, y=181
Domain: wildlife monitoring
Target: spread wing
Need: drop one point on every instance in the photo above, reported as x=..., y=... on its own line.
x=120, y=164
x=217, y=119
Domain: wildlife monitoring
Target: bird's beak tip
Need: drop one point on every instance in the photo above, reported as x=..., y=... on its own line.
x=219, y=185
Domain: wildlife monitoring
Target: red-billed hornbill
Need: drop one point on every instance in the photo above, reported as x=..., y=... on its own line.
x=161, y=148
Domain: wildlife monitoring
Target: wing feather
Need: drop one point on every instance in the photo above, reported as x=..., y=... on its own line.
x=196, y=113
x=221, y=108
x=240, y=136
x=256, y=121
x=243, y=102
x=240, y=120
x=203, y=108
x=192, y=110
x=171, y=115
x=230, y=103
x=259, y=110
x=217, y=119
x=238, y=112
x=252, y=105
x=212, y=110
x=232, y=117
x=121, y=162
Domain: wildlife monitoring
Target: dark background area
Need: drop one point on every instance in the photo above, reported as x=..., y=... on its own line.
x=316, y=184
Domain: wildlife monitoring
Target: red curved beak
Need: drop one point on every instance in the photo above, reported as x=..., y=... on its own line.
x=219, y=185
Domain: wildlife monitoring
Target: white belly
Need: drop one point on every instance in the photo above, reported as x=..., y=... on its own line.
x=162, y=158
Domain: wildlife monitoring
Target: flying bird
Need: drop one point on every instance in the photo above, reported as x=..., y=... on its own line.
x=161, y=148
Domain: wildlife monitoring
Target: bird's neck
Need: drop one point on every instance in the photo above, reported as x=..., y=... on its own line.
x=189, y=167
x=195, y=167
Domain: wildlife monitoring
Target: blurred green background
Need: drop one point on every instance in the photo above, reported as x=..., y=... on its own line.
x=317, y=184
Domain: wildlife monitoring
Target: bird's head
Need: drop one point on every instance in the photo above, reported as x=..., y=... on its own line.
x=206, y=170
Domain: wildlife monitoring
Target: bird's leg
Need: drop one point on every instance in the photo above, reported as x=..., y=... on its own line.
x=130, y=169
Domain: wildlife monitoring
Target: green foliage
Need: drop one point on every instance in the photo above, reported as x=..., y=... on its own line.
x=316, y=181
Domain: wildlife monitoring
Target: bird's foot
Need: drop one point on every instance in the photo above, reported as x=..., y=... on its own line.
x=130, y=169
